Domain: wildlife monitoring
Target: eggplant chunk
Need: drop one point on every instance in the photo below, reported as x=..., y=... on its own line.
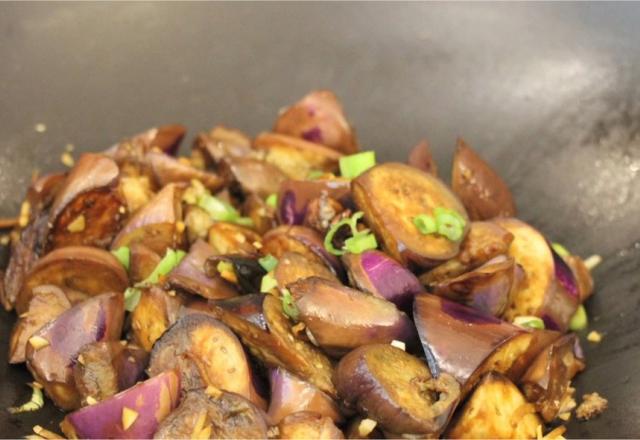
x=321, y=211
x=550, y=289
x=155, y=224
x=496, y=409
x=482, y=191
x=229, y=238
x=396, y=389
x=47, y=303
x=307, y=425
x=420, y=157
x=547, y=381
x=318, y=117
x=214, y=414
x=290, y=394
x=223, y=142
x=166, y=138
x=467, y=343
x=156, y=311
x=261, y=214
x=105, y=368
x=142, y=262
x=206, y=353
x=190, y=275
x=252, y=176
x=86, y=210
x=134, y=413
x=296, y=157
x=167, y=169
x=293, y=266
x=341, y=318
x=248, y=307
x=391, y=195
x=53, y=349
x=582, y=275
x=295, y=196
x=278, y=347
x=81, y=268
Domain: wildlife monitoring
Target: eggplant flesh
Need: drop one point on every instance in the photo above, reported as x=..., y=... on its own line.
x=308, y=425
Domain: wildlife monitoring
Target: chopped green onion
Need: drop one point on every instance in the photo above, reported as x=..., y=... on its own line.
x=131, y=298
x=268, y=283
x=315, y=174
x=123, y=254
x=35, y=403
x=170, y=260
x=360, y=243
x=222, y=211
x=272, y=200
x=268, y=262
x=243, y=221
x=579, y=320
x=561, y=250
x=426, y=224
x=288, y=305
x=450, y=223
x=328, y=239
x=529, y=322
x=354, y=165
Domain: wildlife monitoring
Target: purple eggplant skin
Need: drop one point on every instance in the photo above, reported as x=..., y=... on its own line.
x=375, y=272
x=252, y=176
x=341, y=318
x=295, y=195
x=293, y=266
x=308, y=425
x=99, y=318
x=466, y=343
x=151, y=400
x=166, y=138
x=290, y=394
x=489, y=288
x=548, y=378
x=167, y=169
x=248, y=307
x=420, y=157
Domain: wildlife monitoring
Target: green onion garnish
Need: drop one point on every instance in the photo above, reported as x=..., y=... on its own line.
x=579, y=320
x=315, y=174
x=561, y=250
x=445, y=222
x=268, y=283
x=328, y=239
x=272, y=200
x=288, y=305
x=222, y=211
x=529, y=322
x=123, y=254
x=268, y=262
x=35, y=403
x=170, y=260
x=354, y=165
x=131, y=298
x=426, y=224
x=360, y=243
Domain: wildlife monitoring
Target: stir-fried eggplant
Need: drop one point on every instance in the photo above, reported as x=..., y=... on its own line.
x=52, y=350
x=482, y=191
x=252, y=176
x=496, y=409
x=308, y=425
x=206, y=353
x=221, y=143
x=215, y=414
x=420, y=157
x=318, y=117
x=165, y=138
x=391, y=195
x=248, y=307
x=229, y=238
x=155, y=312
x=142, y=262
x=390, y=386
x=167, y=169
x=134, y=413
x=294, y=197
x=293, y=266
x=341, y=318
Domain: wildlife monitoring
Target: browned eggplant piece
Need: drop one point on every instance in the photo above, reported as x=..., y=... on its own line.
x=166, y=138
x=308, y=425
x=167, y=169
x=388, y=385
x=222, y=142
x=155, y=224
x=547, y=381
x=248, y=307
x=206, y=353
x=190, y=275
x=482, y=191
x=229, y=238
x=320, y=213
x=214, y=414
x=295, y=195
x=136, y=191
x=489, y=288
x=85, y=269
x=197, y=222
x=496, y=409
x=247, y=271
x=467, y=343
x=550, y=289
x=302, y=240
x=252, y=176
x=485, y=240
x=42, y=191
x=290, y=394
x=296, y=157
x=278, y=347
x=87, y=207
x=582, y=275
x=47, y=303
x=261, y=214
x=103, y=369
x=293, y=266
x=155, y=312
x=341, y=318
x=391, y=195
x=319, y=117
x=53, y=349
x=420, y=157
x=142, y=262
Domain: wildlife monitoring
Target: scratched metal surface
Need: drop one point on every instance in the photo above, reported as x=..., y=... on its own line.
x=548, y=93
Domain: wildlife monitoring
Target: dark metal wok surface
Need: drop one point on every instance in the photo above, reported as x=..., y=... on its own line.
x=549, y=93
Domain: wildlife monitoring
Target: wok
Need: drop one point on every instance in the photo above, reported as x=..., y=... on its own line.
x=548, y=93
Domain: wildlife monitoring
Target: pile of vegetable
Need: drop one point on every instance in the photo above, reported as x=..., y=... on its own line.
x=288, y=286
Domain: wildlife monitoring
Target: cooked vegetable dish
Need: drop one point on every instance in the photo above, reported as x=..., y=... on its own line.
x=289, y=286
